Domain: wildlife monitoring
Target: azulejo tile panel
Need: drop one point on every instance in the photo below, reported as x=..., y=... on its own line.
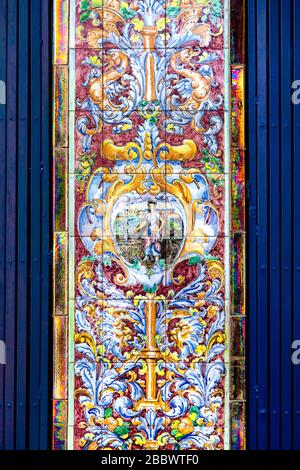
x=143, y=260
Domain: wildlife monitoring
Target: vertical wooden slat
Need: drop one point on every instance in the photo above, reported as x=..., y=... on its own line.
x=296, y=216
x=46, y=156
x=252, y=423
x=3, y=74
x=35, y=222
x=262, y=201
x=274, y=225
x=286, y=224
x=22, y=233
x=10, y=248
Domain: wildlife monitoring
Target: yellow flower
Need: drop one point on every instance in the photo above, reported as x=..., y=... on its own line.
x=138, y=24
x=200, y=350
x=126, y=127
x=161, y=23
x=101, y=349
x=170, y=127
x=93, y=446
x=82, y=442
x=139, y=439
x=97, y=3
x=175, y=424
x=143, y=369
x=135, y=38
x=212, y=311
x=185, y=426
x=136, y=421
x=124, y=5
x=162, y=439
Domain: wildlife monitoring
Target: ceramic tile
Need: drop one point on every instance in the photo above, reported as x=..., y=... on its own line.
x=238, y=425
x=197, y=280
x=61, y=32
x=60, y=352
x=238, y=203
x=198, y=423
x=238, y=337
x=139, y=209
x=200, y=20
x=60, y=190
x=238, y=107
x=237, y=26
x=203, y=133
x=238, y=380
x=60, y=273
x=194, y=80
x=238, y=274
x=60, y=104
x=60, y=419
x=89, y=398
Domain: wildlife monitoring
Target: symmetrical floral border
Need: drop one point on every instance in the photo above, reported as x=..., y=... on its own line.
x=63, y=277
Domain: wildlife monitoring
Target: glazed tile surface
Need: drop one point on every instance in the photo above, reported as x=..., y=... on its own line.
x=142, y=260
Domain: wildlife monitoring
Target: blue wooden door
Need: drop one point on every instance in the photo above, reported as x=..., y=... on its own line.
x=274, y=224
x=25, y=162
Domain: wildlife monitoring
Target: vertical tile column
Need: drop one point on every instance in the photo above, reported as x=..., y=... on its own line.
x=238, y=229
x=60, y=222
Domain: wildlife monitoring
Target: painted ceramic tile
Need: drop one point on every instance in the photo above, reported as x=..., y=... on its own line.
x=238, y=380
x=238, y=425
x=238, y=209
x=60, y=419
x=61, y=32
x=238, y=339
x=60, y=273
x=60, y=352
x=237, y=33
x=60, y=190
x=238, y=107
x=149, y=242
x=60, y=132
x=194, y=80
x=199, y=20
x=238, y=273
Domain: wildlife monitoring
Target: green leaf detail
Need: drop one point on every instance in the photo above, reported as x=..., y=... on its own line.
x=84, y=16
x=127, y=13
x=194, y=409
x=150, y=290
x=122, y=430
x=85, y=4
x=173, y=11
x=108, y=412
x=195, y=260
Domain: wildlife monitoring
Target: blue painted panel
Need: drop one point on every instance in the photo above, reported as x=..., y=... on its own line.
x=25, y=156
x=274, y=216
